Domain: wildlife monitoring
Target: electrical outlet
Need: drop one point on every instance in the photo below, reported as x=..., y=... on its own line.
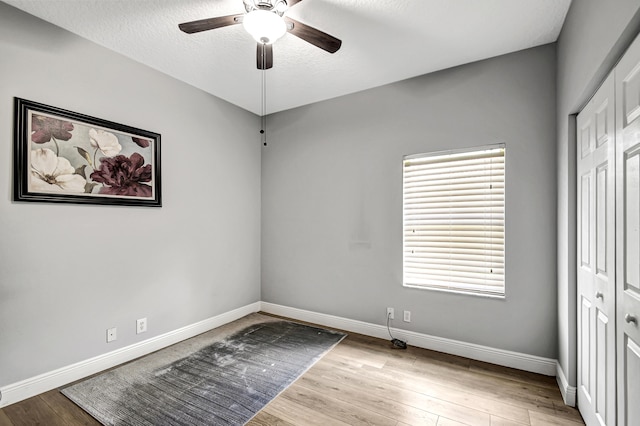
x=407, y=316
x=111, y=334
x=390, y=313
x=141, y=325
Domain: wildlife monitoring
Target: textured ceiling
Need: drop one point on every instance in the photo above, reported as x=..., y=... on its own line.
x=383, y=41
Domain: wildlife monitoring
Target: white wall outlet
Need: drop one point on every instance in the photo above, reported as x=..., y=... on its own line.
x=111, y=334
x=141, y=325
x=390, y=313
x=407, y=316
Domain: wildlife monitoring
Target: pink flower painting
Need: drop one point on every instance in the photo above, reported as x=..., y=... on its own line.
x=63, y=156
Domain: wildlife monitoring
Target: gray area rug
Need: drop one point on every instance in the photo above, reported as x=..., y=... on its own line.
x=222, y=377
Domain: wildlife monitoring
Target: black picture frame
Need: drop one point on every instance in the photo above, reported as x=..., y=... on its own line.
x=61, y=156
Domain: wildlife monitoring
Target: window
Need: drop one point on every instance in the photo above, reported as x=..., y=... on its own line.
x=453, y=221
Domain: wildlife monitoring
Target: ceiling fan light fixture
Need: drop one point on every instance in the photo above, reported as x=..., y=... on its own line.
x=264, y=26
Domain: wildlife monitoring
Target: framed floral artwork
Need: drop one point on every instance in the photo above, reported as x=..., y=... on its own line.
x=66, y=157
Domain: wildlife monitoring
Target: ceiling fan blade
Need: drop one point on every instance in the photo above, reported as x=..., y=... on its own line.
x=314, y=36
x=265, y=56
x=210, y=23
x=290, y=3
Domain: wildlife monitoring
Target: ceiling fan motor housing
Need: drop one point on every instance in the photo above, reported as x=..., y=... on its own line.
x=275, y=6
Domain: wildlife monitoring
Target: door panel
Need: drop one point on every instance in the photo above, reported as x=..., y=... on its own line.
x=603, y=125
x=596, y=266
x=602, y=179
x=585, y=221
x=632, y=392
x=627, y=75
x=603, y=328
x=630, y=92
x=632, y=219
x=585, y=138
x=585, y=350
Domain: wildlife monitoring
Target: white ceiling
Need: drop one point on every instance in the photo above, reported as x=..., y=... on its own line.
x=383, y=41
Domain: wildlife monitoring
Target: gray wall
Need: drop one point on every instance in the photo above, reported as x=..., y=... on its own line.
x=332, y=200
x=594, y=36
x=331, y=215
x=68, y=272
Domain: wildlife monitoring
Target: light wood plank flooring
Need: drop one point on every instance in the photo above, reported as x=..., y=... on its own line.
x=363, y=381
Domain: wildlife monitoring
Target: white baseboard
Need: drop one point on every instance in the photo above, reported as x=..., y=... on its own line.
x=568, y=392
x=45, y=382
x=502, y=357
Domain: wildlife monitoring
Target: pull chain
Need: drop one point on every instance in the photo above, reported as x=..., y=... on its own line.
x=263, y=117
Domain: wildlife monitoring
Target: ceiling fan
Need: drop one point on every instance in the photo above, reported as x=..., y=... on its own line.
x=265, y=21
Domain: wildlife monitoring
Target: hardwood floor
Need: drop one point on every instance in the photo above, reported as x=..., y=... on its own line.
x=363, y=381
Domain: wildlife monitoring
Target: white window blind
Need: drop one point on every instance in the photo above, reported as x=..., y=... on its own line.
x=453, y=215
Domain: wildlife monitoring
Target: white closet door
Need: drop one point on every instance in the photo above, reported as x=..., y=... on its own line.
x=596, y=258
x=628, y=234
